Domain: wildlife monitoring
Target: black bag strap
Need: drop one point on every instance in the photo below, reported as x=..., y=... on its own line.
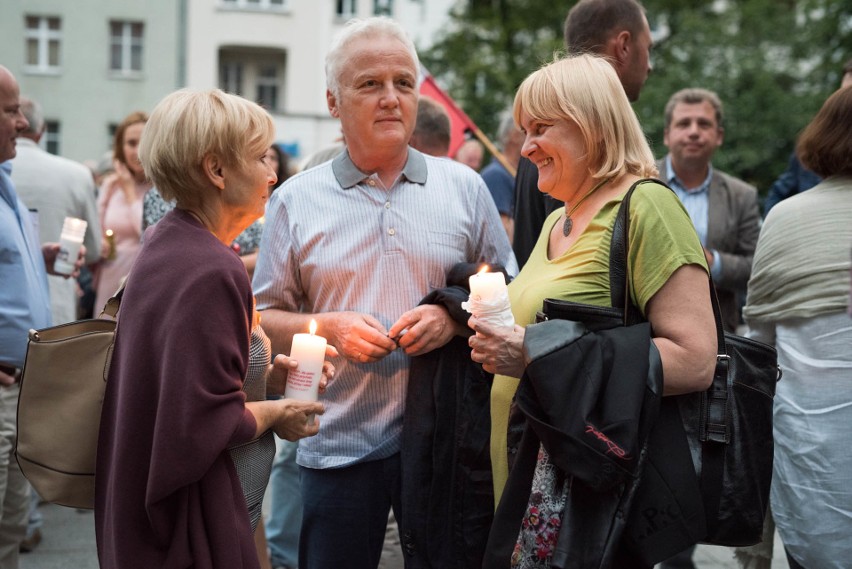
x=713, y=422
x=619, y=269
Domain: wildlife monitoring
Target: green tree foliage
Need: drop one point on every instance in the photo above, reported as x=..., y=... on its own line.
x=772, y=62
x=491, y=47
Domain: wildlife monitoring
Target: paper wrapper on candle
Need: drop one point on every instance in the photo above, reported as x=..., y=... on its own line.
x=303, y=382
x=489, y=299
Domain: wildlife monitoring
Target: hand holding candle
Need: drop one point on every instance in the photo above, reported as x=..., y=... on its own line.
x=309, y=352
x=489, y=299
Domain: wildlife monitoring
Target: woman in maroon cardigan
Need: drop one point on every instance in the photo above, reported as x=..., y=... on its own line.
x=180, y=448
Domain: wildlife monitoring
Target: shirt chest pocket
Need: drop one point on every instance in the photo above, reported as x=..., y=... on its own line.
x=444, y=250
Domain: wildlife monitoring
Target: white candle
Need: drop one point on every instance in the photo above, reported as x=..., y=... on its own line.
x=487, y=287
x=489, y=299
x=70, y=241
x=303, y=382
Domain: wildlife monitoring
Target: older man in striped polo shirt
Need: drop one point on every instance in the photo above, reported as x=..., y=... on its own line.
x=355, y=244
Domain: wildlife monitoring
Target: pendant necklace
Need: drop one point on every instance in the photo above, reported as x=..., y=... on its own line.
x=568, y=224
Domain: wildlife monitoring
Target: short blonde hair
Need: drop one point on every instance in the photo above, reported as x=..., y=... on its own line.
x=585, y=89
x=186, y=126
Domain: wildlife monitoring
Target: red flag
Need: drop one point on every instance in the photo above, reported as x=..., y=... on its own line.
x=459, y=121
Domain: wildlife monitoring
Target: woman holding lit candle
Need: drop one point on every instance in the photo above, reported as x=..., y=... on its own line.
x=588, y=146
x=186, y=441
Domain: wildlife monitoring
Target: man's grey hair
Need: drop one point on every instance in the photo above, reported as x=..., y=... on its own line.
x=355, y=29
x=695, y=96
x=34, y=115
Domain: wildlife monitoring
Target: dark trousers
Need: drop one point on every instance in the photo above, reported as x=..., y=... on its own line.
x=345, y=513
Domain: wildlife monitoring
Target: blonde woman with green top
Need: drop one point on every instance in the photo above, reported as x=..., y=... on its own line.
x=588, y=146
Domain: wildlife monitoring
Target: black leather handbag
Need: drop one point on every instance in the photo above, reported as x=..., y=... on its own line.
x=722, y=497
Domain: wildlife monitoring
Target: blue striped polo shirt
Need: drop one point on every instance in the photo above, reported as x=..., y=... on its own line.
x=336, y=240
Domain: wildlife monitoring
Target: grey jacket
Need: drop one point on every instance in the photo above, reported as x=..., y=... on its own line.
x=732, y=230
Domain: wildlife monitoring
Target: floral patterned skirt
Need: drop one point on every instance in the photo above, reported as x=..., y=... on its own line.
x=543, y=518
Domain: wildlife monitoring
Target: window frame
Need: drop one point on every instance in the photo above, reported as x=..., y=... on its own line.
x=383, y=8
x=341, y=12
x=257, y=74
x=271, y=83
x=43, y=36
x=126, y=41
x=52, y=137
x=232, y=74
x=256, y=5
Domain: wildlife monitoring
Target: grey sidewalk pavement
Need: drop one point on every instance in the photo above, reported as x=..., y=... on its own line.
x=68, y=542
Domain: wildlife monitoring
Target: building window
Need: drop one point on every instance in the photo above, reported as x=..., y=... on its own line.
x=231, y=77
x=43, y=35
x=383, y=7
x=50, y=140
x=126, y=40
x=111, y=129
x=346, y=8
x=256, y=4
x=254, y=73
x=267, y=86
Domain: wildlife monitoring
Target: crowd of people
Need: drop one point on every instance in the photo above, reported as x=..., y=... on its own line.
x=425, y=412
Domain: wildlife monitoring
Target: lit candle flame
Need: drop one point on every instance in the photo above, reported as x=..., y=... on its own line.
x=108, y=232
x=313, y=327
x=484, y=269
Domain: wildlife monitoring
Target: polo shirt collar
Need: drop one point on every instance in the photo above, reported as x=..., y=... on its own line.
x=348, y=175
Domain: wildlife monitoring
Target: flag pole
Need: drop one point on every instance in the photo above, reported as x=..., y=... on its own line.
x=453, y=110
x=494, y=151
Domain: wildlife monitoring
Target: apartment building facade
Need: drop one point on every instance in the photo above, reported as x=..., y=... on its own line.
x=91, y=62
